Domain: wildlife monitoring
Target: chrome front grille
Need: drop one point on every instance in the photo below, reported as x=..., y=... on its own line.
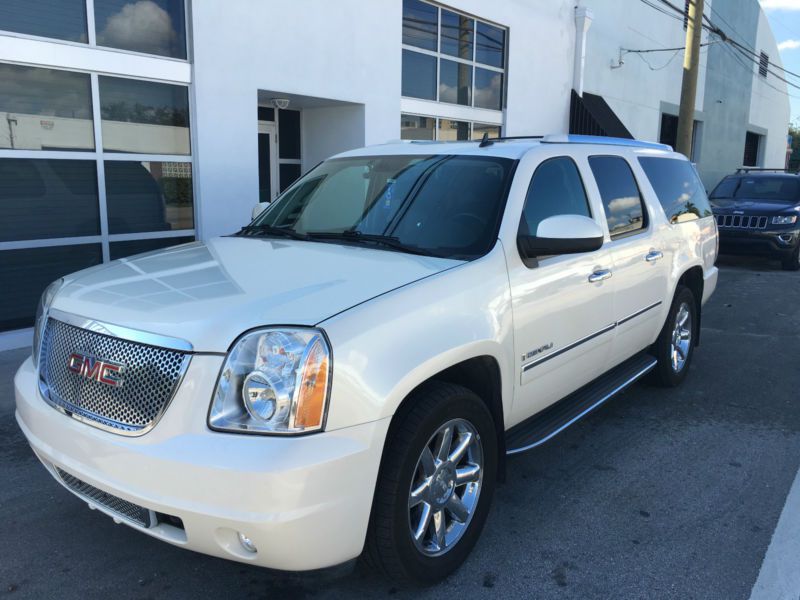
x=148, y=379
x=126, y=510
x=742, y=221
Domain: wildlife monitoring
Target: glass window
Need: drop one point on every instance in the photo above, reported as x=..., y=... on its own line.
x=773, y=188
x=457, y=35
x=450, y=130
x=441, y=205
x=488, y=89
x=678, y=188
x=622, y=200
x=413, y=127
x=125, y=249
x=556, y=189
x=264, y=167
x=265, y=113
x=420, y=24
x=59, y=19
x=45, y=109
x=47, y=198
x=478, y=129
x=150, y=26
x=25, y=273
x=455, y=82
x=148, y=196
x=288, y=173
x=419, y=75
x=289, y=133
x=490, y=48
x=144, y=117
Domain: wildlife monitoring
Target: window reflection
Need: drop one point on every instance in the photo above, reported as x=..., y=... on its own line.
x=478, y=129
x=413, y=127
x=144, y=117
x=420, y=24
x=419, y=75
x=148, y=196
x=490, y=48
x=59, y=19
x=151, y=26
x=488, y=89
x=457, y=35
x=622, y=200
x=450, y=131
x=455, y=82
x=45, y=109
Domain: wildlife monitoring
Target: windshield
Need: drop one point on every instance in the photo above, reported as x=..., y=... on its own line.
x=775, y=189
x=442, y=205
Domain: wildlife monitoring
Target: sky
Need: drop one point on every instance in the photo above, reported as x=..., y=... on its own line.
x=784, y=16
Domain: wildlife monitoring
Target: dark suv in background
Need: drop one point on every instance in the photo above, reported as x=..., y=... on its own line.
x=758, y=212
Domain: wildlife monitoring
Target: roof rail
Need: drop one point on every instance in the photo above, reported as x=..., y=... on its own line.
x=757, y=169
x=562, y=138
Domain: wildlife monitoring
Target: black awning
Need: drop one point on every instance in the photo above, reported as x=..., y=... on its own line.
x=591, y=115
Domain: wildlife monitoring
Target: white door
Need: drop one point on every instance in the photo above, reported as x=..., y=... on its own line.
x=267, y=161
x=640, y=263
x=563, y=322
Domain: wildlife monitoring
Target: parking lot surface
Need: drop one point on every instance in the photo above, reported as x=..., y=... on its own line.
x=659, y=494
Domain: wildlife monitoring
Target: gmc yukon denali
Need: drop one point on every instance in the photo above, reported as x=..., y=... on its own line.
x=345, y=376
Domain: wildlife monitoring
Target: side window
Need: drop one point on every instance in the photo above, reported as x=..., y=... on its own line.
x=622, y=200
x=556, y=189
x=678, y=188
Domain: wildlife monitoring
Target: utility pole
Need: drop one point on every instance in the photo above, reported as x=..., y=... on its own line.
x=691, y=60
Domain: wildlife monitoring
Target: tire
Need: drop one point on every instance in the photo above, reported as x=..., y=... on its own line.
x=792, y=262
x=673, y=355
x=391, y=545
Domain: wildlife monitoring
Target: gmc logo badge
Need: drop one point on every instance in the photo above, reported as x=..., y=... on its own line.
x=90, y=367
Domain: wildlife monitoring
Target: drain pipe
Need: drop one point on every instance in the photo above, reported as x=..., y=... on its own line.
x=583, y=20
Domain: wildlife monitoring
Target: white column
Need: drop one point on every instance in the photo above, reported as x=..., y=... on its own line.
x=583, y=20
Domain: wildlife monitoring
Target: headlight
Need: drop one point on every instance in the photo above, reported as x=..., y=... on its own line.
x=41, y=316
x=273, y=381
x=787, y=220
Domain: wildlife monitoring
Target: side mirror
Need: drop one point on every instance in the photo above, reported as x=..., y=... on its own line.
x=259, y=208
x=561, y=234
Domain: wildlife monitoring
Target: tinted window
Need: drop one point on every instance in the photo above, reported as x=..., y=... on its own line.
x=457, y=32
x=556, y=189
x=488, y=89
x=490, y=48
x=144, y=117
x=60, y=19
x=420, y=24
x=478, y=129
x=151, y=26
x=148, y=196
x=413, y=127
x=442, y=205
x=288, y=173
x=622, y=200
x=45, y=109
x=48, y=198
x=289, y=138
x=455, y=82
x=451, y=131
x=419, y=75
x=776, y=188
x=726, y=188
x=678, y=188
x=25, y=273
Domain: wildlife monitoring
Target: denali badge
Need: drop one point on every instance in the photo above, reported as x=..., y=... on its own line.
x=102, y=371
x=538, y=350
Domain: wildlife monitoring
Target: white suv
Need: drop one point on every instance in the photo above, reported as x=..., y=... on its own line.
x=346, y=374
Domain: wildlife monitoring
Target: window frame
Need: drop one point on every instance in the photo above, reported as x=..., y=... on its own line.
x=437, y=119
x=647, y=220
x=439, y=55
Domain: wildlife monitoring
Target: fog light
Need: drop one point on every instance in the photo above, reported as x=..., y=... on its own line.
x=786, y=238
x=247, y=543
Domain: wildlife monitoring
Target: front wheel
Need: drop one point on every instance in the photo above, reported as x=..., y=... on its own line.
x=435, y=486
x=674, y=347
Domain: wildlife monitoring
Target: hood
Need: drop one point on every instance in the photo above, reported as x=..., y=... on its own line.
x=745, y=206
x=209, y=293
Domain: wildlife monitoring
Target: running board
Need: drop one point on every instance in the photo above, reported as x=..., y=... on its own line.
x=556, y=418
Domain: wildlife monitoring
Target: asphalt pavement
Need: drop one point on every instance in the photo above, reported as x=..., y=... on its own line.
x=659, y=494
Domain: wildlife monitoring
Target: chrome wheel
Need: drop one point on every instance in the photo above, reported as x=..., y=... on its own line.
x=681, y=338
x=445, y=487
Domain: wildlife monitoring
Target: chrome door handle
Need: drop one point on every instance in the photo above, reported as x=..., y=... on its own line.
x=599, y=275
x=653, y=256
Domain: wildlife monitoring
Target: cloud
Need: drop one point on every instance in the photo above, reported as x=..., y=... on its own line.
x=623, y=204
x=142, y=26
x=780, y=4
x=789, y=45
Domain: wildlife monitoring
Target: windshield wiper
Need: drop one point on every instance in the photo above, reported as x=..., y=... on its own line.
x=351, y=235
x=271, y=230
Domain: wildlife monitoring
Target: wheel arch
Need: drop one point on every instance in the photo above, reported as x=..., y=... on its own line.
x=693, y=279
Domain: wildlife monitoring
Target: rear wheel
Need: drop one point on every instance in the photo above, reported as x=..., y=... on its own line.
x=435, y=486
x=675, y=344
x=792, y=262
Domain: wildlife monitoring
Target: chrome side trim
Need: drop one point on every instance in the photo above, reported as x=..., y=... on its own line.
x=561, y=351
x=119, y=331
x=590, y=337
x=638, y=312
x=601, y=401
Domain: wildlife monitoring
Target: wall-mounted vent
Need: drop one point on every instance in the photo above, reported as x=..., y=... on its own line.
x=763, y=64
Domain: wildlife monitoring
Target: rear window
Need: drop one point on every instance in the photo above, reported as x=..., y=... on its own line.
x=678, y=188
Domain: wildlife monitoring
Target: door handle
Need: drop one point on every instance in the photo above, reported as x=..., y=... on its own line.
x=599, y=275
x=654, y=255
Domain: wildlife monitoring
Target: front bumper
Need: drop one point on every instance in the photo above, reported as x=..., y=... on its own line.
x=778, y=243
x=303, y=501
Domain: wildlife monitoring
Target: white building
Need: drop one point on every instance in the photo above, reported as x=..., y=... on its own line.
x=127, y=125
